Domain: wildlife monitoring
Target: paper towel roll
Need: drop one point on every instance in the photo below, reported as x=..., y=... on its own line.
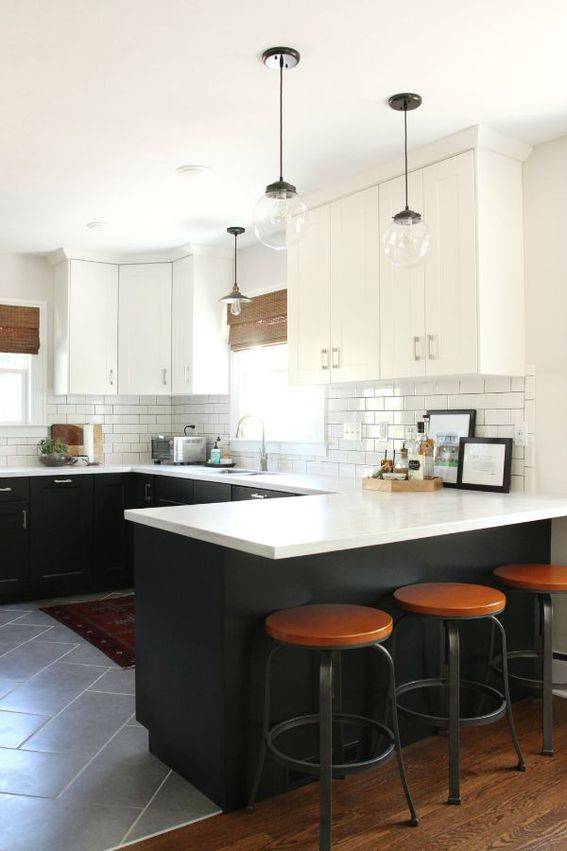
x=88, y=441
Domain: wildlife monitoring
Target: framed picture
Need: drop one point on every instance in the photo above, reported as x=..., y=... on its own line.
x=447, y=427
x=485, y=463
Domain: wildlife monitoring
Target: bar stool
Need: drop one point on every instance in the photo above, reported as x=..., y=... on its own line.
x=329, y=630
x=541, y=580
x=451, y=603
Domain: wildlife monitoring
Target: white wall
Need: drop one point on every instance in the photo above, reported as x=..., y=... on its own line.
x=29, y=277
x=261, y=269
x=545, y=221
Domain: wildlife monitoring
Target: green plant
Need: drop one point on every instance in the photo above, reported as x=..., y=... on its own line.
x=53, y=447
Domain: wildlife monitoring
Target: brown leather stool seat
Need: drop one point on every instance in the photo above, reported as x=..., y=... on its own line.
x=534, y=577
x=542, y=581
x=329, y=626
x=450, y=600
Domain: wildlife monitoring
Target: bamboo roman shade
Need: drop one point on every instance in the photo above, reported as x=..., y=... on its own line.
x=262, y=322
x=19, y=329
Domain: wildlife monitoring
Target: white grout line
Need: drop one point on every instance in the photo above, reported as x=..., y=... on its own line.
x=52, y=718
x=135, y=822
x=41, y=670
x=27, y=641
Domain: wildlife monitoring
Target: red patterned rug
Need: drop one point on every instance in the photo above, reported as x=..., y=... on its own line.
x=108, y=624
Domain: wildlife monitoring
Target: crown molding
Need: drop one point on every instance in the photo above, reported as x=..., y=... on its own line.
x=123, y=258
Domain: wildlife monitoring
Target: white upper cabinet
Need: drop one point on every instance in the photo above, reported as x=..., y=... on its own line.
x=462, y=311
x=86, y=328
x=309, y=301
x=144, y=325
x=451, y=307
x=402, y=292
x=355, y=279
x=200, y=357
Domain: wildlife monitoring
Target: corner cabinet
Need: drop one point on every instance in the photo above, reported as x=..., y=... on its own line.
x=198, y=324
x=86, y=327
x=333, y=293
x=144, y=329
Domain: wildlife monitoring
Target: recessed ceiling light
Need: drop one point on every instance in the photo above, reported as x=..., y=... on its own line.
x=99, y=226
x=191, y=171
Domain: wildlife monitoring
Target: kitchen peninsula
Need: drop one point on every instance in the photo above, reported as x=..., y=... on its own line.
x=207, y=575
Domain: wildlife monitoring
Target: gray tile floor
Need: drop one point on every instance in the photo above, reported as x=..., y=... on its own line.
x=75, y=770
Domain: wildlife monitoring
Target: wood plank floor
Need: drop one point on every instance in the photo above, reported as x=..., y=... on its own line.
x=502, y=808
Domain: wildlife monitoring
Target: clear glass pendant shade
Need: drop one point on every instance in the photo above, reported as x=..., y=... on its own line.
x=280, y=216
x=407, y=241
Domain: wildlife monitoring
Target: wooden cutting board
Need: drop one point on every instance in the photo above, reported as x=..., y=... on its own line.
x=72, y=435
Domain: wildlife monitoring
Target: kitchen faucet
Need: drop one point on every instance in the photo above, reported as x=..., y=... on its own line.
x=263, y=453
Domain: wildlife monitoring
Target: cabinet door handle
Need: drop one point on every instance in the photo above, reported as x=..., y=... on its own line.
x=111, y=377
x=5, y=490
x=430, y=353
x=324, y=358
x=417, y=348
x=186, y=375
x=336, y=361
x=258, y=496
x=24, y=518
x=164, y=376
x=148, y=492
x=62, y=481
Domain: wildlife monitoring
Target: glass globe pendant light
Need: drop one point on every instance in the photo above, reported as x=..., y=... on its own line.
x=407, y=240
x=279, y=215
x=235, y=298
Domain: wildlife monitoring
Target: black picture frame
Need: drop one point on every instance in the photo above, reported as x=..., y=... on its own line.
x=506, y=477
x=451, y=412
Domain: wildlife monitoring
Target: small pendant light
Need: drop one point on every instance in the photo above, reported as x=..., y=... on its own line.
x=279, y=215
x=407, y=240
x=235, y=298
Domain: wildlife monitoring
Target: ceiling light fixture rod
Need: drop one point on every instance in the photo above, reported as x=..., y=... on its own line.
x=281, y=115
x=406, y=152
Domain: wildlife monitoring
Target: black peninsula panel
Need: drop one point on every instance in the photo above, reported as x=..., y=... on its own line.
x=200, y=645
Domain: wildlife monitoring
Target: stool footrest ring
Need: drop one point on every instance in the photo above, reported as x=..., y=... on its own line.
x=442, y=721
x=525, y=655
x=309, y=767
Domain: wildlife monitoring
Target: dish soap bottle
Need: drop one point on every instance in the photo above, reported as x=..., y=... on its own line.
x=420, y=464
x=215, y=454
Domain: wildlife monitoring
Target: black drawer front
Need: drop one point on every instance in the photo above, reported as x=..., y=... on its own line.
x=210, y=492
x=14, y=489
x=240, y=492
x=61, y=481
x=169, y=490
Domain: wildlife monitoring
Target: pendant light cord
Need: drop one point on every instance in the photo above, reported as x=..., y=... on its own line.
x=406, y=149
x=281, y=115
x=235, y=262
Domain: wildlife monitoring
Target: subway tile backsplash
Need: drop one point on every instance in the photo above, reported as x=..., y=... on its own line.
x=384, y=410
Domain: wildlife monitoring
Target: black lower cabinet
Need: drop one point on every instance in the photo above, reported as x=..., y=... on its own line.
x=169, y=490
x=14, y=550
x=112, y=566
x=210, y=492
x=61, y=528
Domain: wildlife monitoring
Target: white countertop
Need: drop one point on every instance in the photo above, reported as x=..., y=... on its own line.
x=288, y=527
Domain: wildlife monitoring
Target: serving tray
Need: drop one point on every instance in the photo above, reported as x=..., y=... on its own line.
x=401, y=486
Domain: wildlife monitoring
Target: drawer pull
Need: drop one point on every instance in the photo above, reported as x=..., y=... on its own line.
x=111, y=377
x=324, y=359
x=147, y=492
x=258, y=495
x=164, y=376
x=337, y=359
x=5, y=490
x=24, y=518
x=62, y=481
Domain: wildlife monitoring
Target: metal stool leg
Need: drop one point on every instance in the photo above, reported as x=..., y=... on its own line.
x=547, y=714
x=326, y=748
x=506, y=687
x=265, y=728
x=454, y=712
x=395, y=728
x=338, y=737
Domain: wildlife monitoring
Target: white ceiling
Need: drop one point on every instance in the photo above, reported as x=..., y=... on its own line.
x=102, y=99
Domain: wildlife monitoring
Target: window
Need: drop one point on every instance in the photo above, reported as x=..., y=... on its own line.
x=23, y=378
x=15, y=380
x=259, y=386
